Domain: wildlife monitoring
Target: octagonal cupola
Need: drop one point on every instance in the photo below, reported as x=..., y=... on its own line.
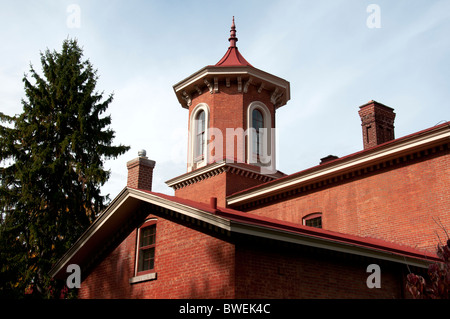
x=232, y=109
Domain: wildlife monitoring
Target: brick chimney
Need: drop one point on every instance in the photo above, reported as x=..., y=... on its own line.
x=377, y=121
x=140, y=172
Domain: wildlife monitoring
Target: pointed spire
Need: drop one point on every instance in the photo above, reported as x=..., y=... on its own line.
x=233, y=38
x=232, y=57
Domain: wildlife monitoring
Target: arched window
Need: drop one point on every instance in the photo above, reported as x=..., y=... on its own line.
x=260, y=144
x=313, y=220
x=200, y=137
x=146, y=247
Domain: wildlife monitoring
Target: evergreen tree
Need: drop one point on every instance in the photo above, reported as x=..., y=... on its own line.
x=53, y=154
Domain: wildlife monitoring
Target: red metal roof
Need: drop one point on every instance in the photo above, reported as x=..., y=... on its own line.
x=233, y=57
x=276, y=224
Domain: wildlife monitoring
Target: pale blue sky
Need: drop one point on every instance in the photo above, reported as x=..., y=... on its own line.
x=332, y=59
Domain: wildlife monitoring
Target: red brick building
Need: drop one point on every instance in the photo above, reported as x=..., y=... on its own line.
x=236, y=227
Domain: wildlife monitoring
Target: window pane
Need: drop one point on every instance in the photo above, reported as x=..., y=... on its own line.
x=314, y=222
x=257, y=143
x=200, y=135
x=258, y=124
x=148, y=236
x=200, y=122
x=257, y=119
x=199, y=144
x=146, y=259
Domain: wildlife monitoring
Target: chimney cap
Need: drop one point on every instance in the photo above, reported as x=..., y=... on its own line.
x=328, y=158
x=376, y=103
x=142, y=153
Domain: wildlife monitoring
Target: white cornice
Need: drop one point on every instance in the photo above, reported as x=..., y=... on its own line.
x=122, y=208
x=270, y=82
x=186, y=210
x=227, y=71
x=215, y=169
x=396, y=148
x=196, y=173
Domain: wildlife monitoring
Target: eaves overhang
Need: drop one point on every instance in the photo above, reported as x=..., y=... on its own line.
x=127, y=203
x=118, y=213
x=209, y=77
x=217, y=168
x=322, y=239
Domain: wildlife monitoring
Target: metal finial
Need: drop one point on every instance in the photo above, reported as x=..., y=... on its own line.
x=233, y=39
x=142, y=153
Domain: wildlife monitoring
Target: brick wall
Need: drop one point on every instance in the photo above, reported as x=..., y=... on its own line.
x=278, y=271
x=219, y=186
x=214, y=186
x=188, y=262
x=397, y=203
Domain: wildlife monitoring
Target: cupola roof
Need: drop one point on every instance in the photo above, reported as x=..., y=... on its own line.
x=232, y=68
x=233, y=57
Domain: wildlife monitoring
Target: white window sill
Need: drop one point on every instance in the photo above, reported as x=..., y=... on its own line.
x=141, y=278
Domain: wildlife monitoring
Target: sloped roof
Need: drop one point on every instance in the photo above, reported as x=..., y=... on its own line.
x=424, y=139
x=233, y=58
x=126, y=204
x=231, y=65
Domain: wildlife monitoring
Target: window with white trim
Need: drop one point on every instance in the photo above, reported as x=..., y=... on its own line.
x=260, y=144
x=198, y=146
x=146, y=247
x=200, y=130
x=313, y=220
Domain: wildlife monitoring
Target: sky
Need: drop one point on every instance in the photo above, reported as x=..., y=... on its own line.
x=337, y=56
